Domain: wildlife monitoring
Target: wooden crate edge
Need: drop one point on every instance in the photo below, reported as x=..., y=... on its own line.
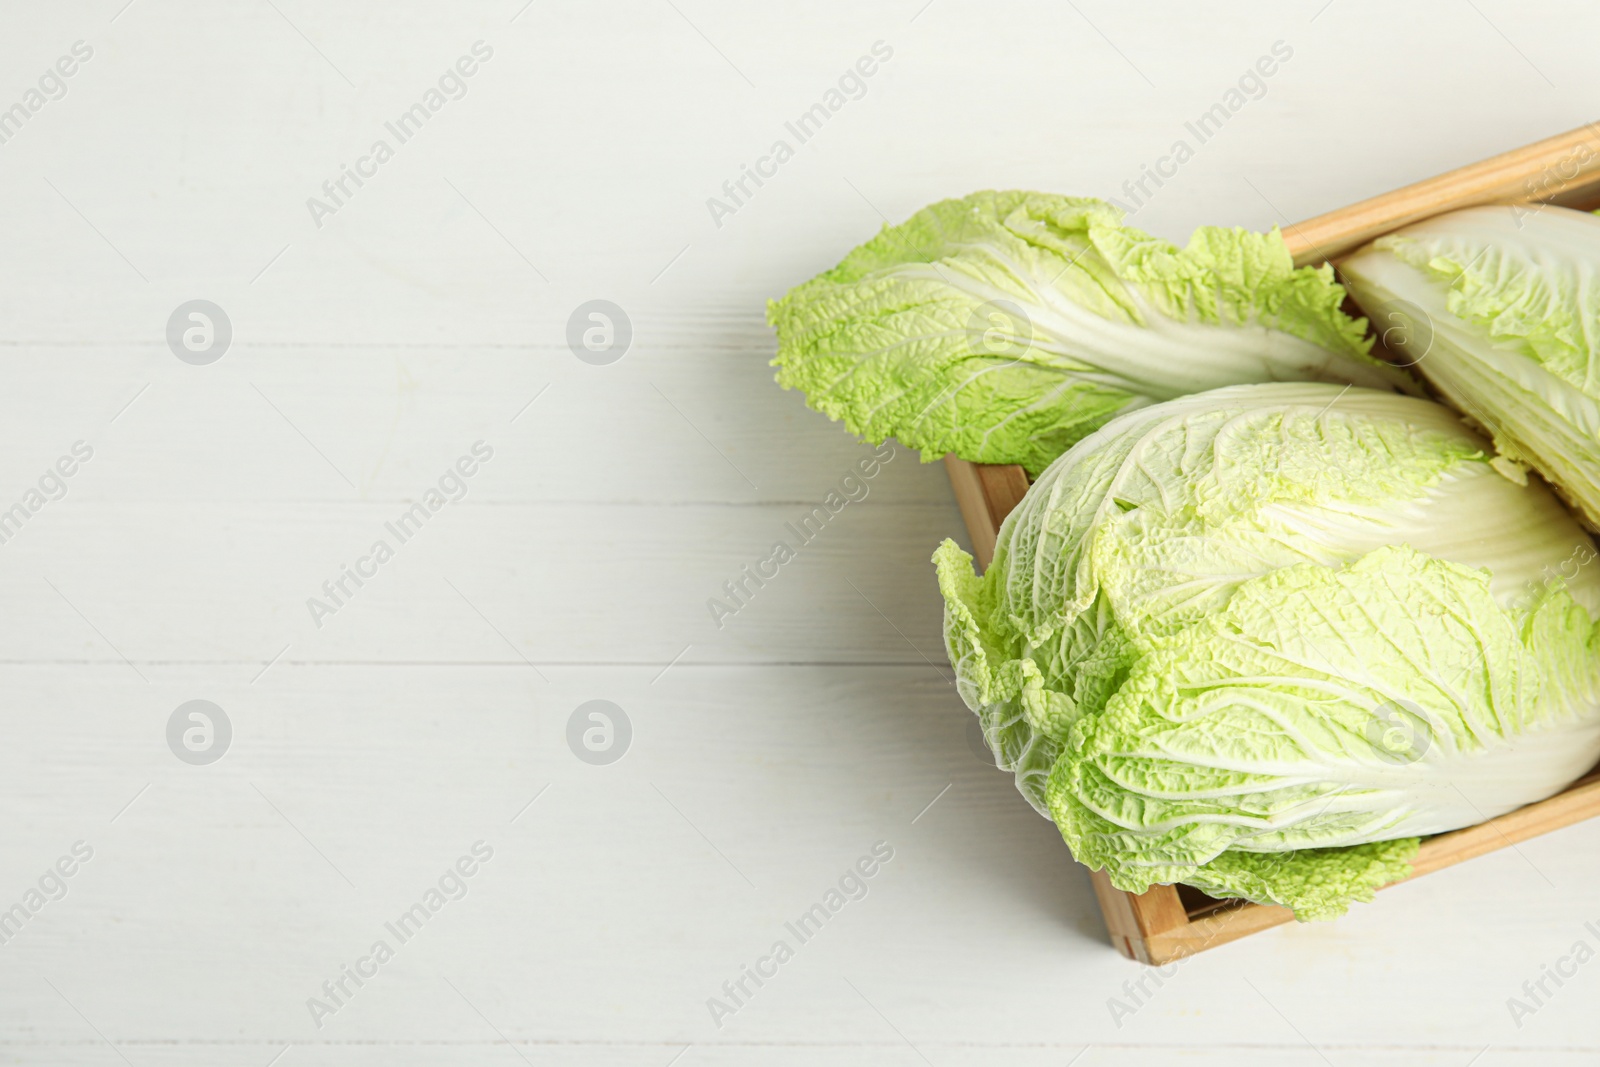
x=1565, y=169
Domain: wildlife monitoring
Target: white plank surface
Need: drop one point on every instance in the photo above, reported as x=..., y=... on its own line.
x=768, y=754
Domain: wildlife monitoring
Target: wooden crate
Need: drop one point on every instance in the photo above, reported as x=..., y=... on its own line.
x=1170, y=922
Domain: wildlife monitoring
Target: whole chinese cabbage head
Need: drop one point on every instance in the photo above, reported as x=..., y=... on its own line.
x=1259, y=640
x=1499, y=307
x=1005, y=326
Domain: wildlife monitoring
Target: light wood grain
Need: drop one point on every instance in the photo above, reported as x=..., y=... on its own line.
x=1210, y=931
x=986, y=494
x=1564, y=169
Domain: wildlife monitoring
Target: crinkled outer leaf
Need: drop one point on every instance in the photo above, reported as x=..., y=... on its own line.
x=1499, y=307
x=1005, y=326
x=1317, y=883
x=1326, y=707
x=1223, y=558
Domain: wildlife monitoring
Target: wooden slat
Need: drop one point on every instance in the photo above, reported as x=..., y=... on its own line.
x=1003, y=487
x=986, y=494
x=1213, y=930
x=1158, y=910
x=1121, y=923
x=1134, y=920
x=975, y=508
x=1560, y=169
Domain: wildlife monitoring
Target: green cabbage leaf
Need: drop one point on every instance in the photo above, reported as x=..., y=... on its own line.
x=1261, y=640
x=1499, y=308
x=1006, y=326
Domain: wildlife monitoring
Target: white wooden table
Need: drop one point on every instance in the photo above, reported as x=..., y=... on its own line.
x=373, y=344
